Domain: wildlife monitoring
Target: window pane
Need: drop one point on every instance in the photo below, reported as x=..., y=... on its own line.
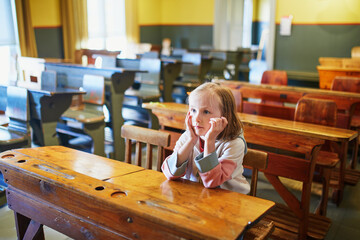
x=7, y=36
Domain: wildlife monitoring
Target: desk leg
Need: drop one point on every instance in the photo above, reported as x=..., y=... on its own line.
x=338, y=193
x=97, y=132
x=119, y=83
x=154, y=121
x=27, y=228
x=171, y=72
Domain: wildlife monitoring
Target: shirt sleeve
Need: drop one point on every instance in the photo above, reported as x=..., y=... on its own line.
x=169, y=168
x=214, y=170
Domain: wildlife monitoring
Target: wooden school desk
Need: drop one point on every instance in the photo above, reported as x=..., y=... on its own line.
x=173, y=115
x=90, y=197
x=46, y=107
x=117, y=80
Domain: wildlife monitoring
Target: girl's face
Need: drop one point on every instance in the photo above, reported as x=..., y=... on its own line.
x=202, y=107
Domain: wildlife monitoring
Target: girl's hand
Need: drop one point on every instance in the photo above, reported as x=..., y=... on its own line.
x=189, y=127
x=217, y=126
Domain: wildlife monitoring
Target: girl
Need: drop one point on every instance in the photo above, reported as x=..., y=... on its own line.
x=212, y=148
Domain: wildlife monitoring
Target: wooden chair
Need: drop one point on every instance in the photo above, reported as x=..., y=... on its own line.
x=288, y=160
x=17, y=133
x=346, y=84
x=350, y=84
x=322, y=112
x=257, y=160
x=274, y=77
x=90, y=117
x=151, y=138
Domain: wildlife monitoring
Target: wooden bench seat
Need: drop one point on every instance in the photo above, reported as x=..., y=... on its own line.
x=352, y=176
x=287, y=224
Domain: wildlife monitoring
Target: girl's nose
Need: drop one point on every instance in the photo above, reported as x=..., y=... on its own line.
x=196, y=117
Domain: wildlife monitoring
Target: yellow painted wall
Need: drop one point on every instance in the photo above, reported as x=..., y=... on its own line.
x=319, y=11
x=45, y=13
x=188, y=12
x=177, y=12
x=149, y=12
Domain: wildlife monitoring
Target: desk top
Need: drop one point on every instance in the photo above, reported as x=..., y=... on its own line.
x=52, y=91
x=239, y=84
x=56, y=91
x=178, y=112
x=79, y=66
x=152, y=203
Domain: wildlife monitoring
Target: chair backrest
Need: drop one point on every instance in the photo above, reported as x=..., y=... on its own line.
x=150, y=81
x=48, y=80
x=346, y=84
x=275, y=77
x=317, y=111
x=151, y=54
x=17, y=108
x=192, y=69
x=95, y=89
x=176, y=52
x=255, y=160
x=104, y=61
x=218, y=63
x=3, y=98
x=151, y=138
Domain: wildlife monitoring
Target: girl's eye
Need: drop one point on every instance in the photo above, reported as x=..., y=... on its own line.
x=206, y=112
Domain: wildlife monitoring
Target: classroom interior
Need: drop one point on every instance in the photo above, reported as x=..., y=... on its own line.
x=310, y=47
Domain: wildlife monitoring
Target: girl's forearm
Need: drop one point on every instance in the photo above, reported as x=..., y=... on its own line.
x=209, y=147
x=184, y=152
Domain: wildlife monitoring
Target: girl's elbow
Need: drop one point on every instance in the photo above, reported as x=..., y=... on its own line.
x=210, y=184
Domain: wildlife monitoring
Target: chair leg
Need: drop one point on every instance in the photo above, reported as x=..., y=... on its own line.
x=354, y=158
x=322, y=207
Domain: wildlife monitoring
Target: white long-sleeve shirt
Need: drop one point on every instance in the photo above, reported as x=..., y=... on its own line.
x=221, y=168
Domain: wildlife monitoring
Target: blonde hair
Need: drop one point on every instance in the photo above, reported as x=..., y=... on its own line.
x=227, y=106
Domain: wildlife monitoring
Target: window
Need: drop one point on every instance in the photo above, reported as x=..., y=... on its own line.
x=247, y=23
x=9, y=44
x=106, y=24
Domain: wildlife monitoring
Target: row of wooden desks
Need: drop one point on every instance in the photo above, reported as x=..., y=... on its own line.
x=89, y=197
x=173, y=115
